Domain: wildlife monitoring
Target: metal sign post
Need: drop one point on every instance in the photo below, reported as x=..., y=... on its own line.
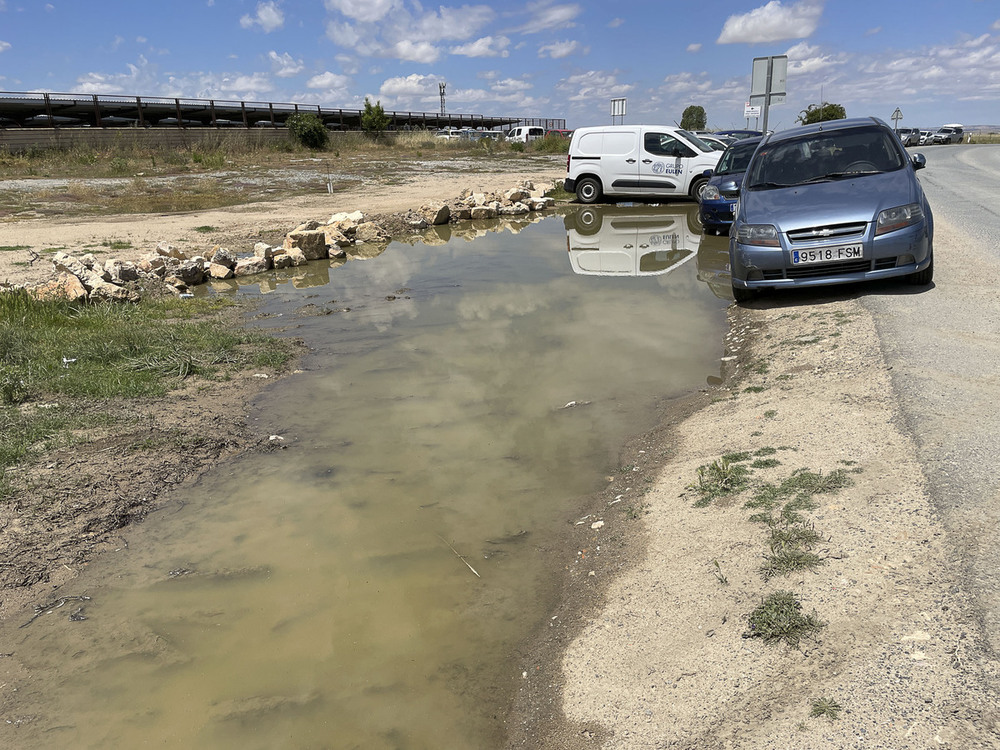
x=618, y=108
x=767, y=83
x=896, y=117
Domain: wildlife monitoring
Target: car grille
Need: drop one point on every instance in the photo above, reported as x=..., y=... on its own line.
x=829, y=269
x=832, y=232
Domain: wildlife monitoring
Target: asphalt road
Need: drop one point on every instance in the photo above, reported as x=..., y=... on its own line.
x=943, y=345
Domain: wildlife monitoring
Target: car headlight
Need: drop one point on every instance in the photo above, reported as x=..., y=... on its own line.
x=711, y=193
x=898, y=218
x=758, y=234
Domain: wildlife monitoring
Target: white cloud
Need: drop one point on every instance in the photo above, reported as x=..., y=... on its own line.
x=328, y=80
x=694, y=47
x=615, y=23
x=4, y=46
x=487, y=46
x=366, y=11
x=284, y=65
x=594, y=85
x=773, y=22
x=557, y=50
x=805, y=58
x=414, y=85
x=269, y=17
x=996, y=25
x=545, y=16
x=413, y=36
x=422, y=52
x=874, y=31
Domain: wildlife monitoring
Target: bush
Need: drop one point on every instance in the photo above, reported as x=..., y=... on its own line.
x=307, y=129
x=374, y=120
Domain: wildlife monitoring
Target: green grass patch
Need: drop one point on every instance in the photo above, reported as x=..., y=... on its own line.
x=70, y=353
x=825, y=707
x=117, y=244
x=719, y=478
x=13, y=248
x=779, y=617
x=206, y=229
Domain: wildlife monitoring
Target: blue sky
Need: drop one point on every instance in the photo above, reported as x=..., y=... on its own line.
x=937, y=60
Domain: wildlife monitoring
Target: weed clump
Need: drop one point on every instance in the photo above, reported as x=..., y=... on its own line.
x=779, y=617
x=719, y=478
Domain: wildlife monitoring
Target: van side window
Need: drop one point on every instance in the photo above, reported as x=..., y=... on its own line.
x=661, y=144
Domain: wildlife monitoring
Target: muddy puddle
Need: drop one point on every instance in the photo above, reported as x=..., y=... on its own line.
x=369, y=585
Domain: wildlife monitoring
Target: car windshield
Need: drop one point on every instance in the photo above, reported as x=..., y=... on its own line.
x=824, y=156
x=695, y=141
x=736, y=158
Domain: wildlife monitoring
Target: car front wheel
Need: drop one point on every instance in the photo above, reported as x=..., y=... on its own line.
x=588, y=190
x=922, y=278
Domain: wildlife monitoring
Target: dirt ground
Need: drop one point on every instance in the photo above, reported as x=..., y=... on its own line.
x=648, y=648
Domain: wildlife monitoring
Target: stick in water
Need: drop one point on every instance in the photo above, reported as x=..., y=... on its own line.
x=458, y=555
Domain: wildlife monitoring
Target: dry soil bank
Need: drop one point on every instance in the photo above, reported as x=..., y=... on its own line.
x=664, y=659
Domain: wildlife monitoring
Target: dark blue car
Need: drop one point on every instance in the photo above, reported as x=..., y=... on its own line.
x=722, y=190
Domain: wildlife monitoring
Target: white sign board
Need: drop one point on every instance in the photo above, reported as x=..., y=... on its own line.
x=750, y=111
x=618, y=107
x=779, y=74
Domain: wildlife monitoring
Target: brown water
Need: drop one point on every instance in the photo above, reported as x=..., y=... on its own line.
x=323, y=596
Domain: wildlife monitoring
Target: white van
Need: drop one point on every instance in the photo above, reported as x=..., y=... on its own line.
x=525, y=133
x=642, y=161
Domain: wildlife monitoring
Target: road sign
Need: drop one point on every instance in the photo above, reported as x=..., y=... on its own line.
x=750, y=111
x=897, y=115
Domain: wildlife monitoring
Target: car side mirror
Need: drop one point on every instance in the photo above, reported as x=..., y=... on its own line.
x=919, y=162
x=708, y=173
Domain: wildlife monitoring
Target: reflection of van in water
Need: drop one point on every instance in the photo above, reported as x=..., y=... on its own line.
x=631, y=241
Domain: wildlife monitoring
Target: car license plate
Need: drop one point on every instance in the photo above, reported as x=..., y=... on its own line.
x=827, y=254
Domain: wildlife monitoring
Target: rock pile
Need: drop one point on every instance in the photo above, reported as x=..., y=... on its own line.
x=88, y=278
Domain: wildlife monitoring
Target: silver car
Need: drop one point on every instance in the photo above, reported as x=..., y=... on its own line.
x=831, y=203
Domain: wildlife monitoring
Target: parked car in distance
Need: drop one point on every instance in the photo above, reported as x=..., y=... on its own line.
x=559, y=133
x=717, y=144
x=830, y=203
x=636, y=161
x=727, y=139
x=739, y=133
x=909, y=136
x=525, y=133
x=718, y=200
x=948, y=134
x=925, y=137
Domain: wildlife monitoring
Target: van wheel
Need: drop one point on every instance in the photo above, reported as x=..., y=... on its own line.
x=697, y=188
x=588, y=222
x=588, y=190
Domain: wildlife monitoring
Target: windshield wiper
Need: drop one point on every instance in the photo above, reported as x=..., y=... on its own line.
x=837, y=176
x=769, y=185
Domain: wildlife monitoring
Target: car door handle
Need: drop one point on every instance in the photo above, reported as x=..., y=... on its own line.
x=647, y=161
x=630, y=161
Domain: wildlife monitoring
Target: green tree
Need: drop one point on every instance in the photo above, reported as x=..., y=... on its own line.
x=374, y=120
x=694, y=118
x=821, y=112
x=307, y=129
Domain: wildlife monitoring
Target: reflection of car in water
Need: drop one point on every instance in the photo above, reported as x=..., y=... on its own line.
x=631, y=240
x=713, y=265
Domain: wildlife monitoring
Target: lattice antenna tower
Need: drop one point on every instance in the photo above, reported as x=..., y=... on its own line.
x=441, y=87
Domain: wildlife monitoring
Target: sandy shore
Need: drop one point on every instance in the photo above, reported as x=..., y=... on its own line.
x=648, y=649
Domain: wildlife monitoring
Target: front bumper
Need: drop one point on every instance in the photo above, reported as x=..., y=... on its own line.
x=895, y=254
x=718, y=213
